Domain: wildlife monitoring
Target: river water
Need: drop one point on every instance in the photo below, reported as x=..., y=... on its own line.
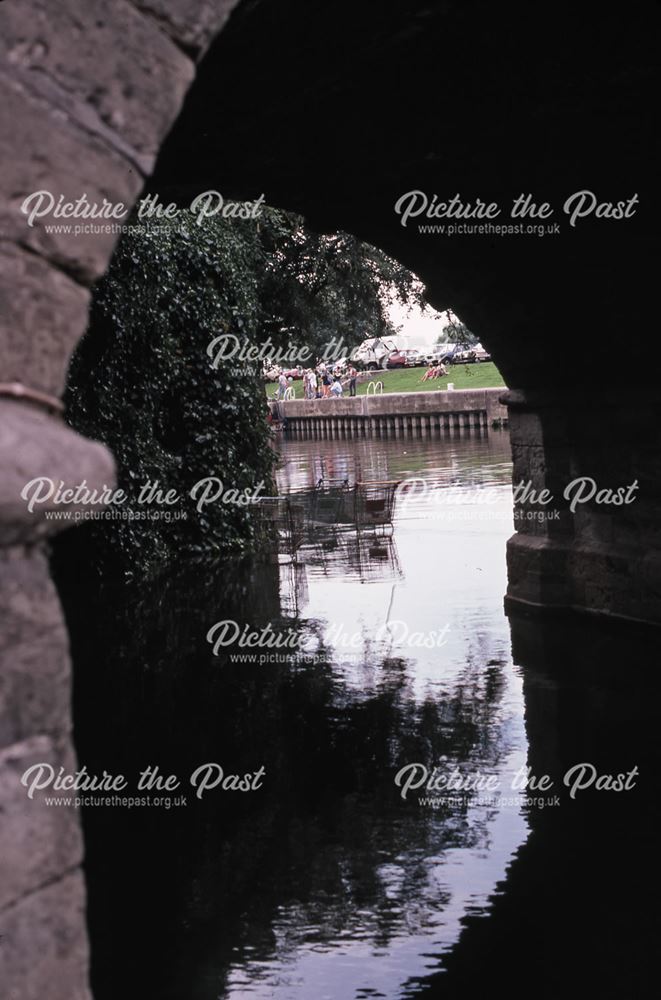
x=441, y=677
x=331, y=880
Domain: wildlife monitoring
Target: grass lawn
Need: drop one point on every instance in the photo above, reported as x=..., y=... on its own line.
x=484, y=375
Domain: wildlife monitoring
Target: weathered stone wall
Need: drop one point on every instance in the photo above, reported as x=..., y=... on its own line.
x=416, y=413
x=417, y=403
x=89, y=91
x=603, y=558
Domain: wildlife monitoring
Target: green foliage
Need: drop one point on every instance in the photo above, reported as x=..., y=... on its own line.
x=456, y=332
x=142, y=382
x=320, y=287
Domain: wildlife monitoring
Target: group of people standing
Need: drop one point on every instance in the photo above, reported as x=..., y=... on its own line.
x=324, y=382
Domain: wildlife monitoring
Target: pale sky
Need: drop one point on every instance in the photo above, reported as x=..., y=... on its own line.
x=420, y=328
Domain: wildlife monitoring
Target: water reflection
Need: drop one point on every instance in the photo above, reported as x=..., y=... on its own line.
x=327, y=883
x=442, y=571
x=428, y=868
x=469, y=461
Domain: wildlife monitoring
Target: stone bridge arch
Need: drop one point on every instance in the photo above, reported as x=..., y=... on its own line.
x=427, y=99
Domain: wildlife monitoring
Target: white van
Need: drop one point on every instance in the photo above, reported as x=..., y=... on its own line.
x=373, y=353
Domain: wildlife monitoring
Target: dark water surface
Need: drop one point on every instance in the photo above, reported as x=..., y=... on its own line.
x=325, y=882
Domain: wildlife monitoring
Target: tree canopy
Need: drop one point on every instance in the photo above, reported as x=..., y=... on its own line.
x=142, y=380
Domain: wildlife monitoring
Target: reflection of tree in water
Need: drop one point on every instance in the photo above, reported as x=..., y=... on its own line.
x=327, y=842
x=353, y=862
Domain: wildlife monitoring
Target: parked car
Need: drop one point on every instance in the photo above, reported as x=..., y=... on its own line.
x=414, y=358
x=471, y=356
x=293, y=373
x=442, y=353
x=464, y=357
x=396, y=360
x=408, y=358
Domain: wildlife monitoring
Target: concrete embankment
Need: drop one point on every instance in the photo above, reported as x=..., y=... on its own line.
x=397, y=414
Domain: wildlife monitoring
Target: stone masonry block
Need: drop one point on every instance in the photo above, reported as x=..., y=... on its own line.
x=35, y=682
x=39, y=842
x=108, y=67
x=42, y=149
x=32, y=445
x=43, y=314
x=44, y=952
